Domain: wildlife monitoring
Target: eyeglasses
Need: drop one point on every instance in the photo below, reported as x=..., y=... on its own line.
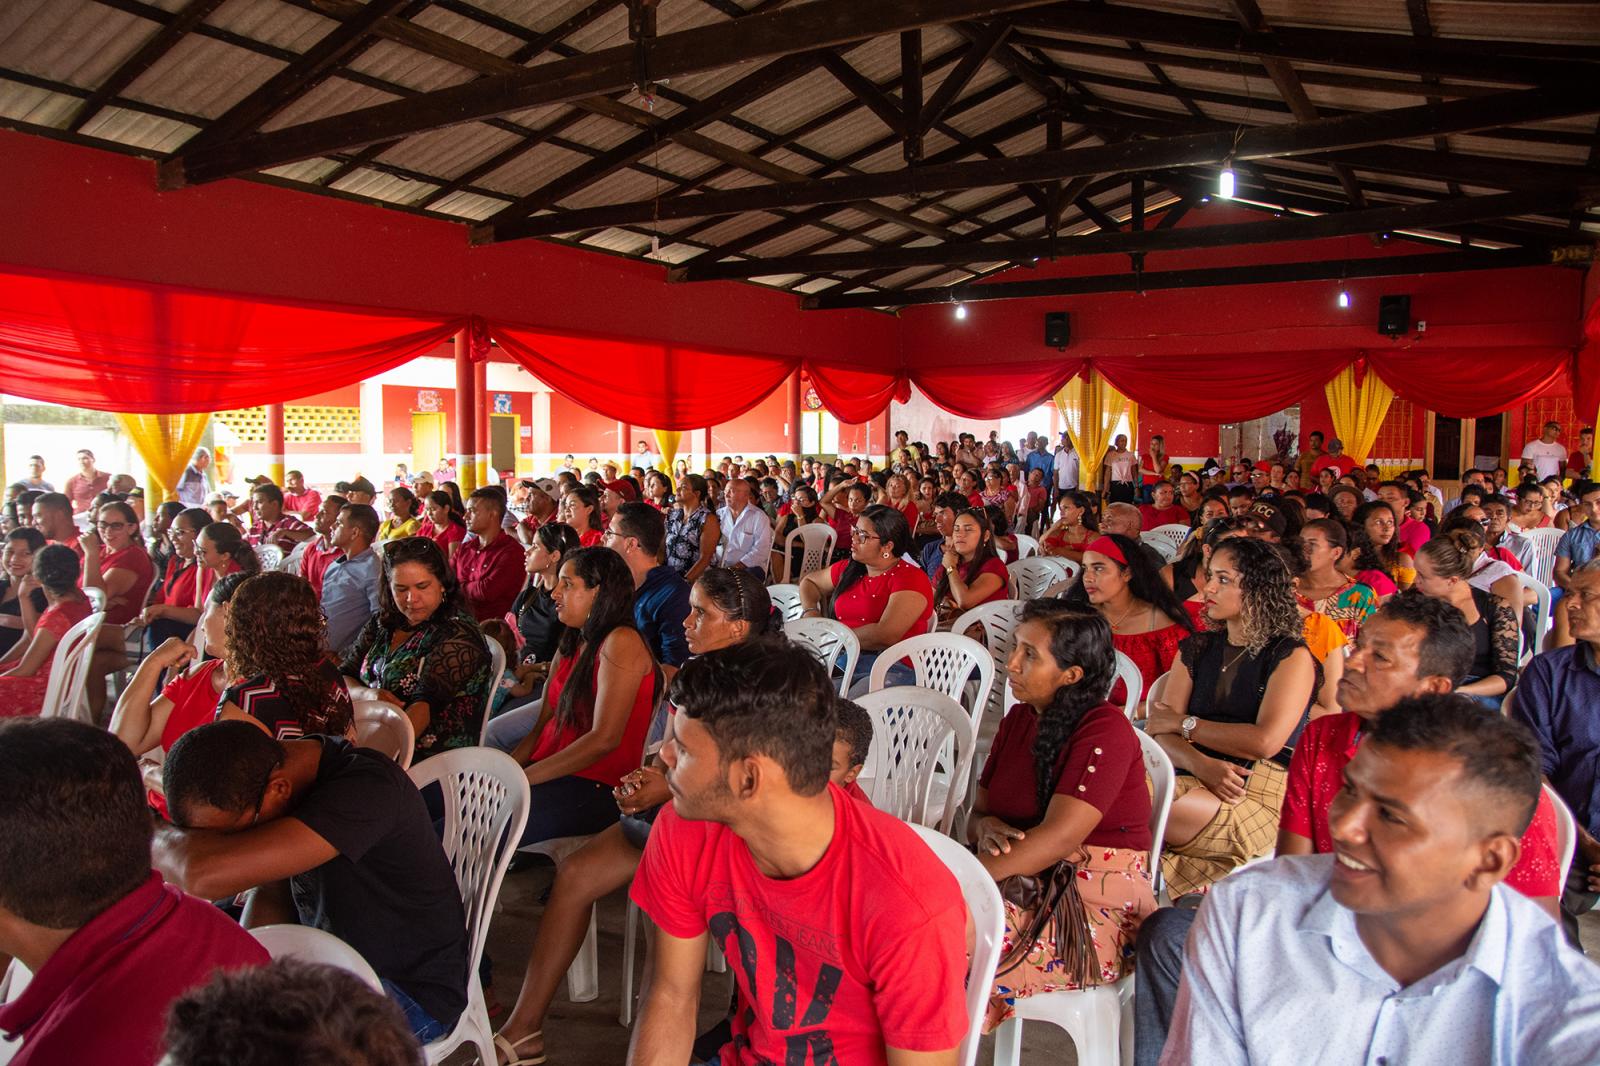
x=111, y=525
x=860, y=534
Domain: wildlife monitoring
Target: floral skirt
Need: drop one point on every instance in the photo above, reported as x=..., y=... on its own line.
x=1114, y=884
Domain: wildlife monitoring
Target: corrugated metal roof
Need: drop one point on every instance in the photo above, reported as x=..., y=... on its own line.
x=78, y=44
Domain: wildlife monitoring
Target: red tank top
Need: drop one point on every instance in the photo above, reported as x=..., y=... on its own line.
x=625, y=758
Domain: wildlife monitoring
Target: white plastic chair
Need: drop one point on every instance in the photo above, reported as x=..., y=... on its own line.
x=1161, y=544
x=988, y=923
x=1566, y=832
x=828, y=639
x=271, y=556
x=381, y=727
x=944, y=662
x=1541, y=614
x=1132, y=683
x=1033, y=577
x=1027, y=547
x=497, y=666
x=1158, y=688
x=96, y=598
x=913, y=731
x=1175, y=533
x=815, y=540
x=786, y=598
x=1542, y=559
x=998, y=619
x=69, y=670
x=1099, y=1019
x=309, y=944
x=485, y=810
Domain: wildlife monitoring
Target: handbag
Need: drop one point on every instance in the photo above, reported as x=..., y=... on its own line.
x=1052, y=896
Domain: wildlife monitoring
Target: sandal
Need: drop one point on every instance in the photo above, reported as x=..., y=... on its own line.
x=510, y=1050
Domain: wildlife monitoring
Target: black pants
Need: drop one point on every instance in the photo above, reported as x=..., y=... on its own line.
x=1121, y=492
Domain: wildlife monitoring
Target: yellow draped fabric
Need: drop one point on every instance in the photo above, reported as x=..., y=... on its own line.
x=165, y=443
x=1358, y=411
x=1090, y=409
x=667, y=444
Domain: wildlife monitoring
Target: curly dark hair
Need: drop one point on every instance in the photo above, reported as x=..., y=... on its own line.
x=57, y=568
x=416, y=550
x=301, y=1012
x=1269, y=609
x=1078, y=637
x=276, y=630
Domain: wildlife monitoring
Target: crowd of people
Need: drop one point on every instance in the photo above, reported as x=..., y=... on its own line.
x=1343, y=669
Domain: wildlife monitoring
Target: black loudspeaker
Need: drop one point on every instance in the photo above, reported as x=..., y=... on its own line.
x=1394, y=315
x=1057, y=329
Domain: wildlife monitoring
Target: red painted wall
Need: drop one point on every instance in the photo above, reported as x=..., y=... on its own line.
x=757, y=431
x=401, y=401
x=576, y=429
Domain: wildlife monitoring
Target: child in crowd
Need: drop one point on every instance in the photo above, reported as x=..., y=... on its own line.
x=512, y=682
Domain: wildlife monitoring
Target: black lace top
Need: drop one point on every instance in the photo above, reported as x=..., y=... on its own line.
x=443, y=663
x=1236, y=698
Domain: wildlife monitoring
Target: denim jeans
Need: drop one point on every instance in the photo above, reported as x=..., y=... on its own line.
x=423, y=1025
x=1158, y=970
x=507, y=728
x=568, y=807
x=899, y=674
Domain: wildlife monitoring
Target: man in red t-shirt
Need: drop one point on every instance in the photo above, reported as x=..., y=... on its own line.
x=109, y=945
x=1335, y=458
x=847, y=935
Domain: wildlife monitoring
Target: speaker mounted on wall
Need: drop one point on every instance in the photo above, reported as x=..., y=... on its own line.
x=1057, y=330
x=1394, y=315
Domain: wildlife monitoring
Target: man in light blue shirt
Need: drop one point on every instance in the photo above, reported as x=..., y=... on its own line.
x=746, y=530
x=350, y=584
x=1402, y=947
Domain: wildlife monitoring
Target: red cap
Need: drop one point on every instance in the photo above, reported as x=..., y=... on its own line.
x=623, y=488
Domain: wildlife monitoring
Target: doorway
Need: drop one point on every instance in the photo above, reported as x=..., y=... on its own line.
x=427, y=442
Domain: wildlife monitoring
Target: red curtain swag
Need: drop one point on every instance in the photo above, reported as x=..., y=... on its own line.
x=142, y=348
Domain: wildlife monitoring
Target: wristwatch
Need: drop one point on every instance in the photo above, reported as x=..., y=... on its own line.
x=1187, y=727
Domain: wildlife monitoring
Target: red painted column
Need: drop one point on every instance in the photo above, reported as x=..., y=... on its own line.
x=466, y=418
x=706, y=447
x=622, y=447
x=480, y=383
x=791, y=428
x=275, y=443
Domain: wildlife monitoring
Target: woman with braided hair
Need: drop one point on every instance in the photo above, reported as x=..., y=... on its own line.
x=1062, y=801
x=1235, y=702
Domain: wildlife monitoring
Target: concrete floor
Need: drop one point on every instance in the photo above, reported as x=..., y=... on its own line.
x=588, y=1034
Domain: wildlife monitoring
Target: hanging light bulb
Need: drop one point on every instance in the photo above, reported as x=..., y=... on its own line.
x=1344, y=298
x=961, y=312
x=1225, y=181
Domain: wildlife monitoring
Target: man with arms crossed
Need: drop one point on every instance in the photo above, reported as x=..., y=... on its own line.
x=846, y=935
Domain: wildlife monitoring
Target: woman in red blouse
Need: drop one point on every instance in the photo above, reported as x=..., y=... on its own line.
x=442, y=523
x=580, y=509
x=1065, y=781
x=876, y=592
x=972, y=572
x=116, y=562
x=175, y=607
x=1146, y=619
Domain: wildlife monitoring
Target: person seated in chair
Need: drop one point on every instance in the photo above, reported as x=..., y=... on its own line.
x=1402, y=945
x=109, y=945
x=326, y=834
x=848, y=933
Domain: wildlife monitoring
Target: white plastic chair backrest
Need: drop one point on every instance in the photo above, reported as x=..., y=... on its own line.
x=381, y=727
x=1027, y=547
x=1174, y=532
x=1069, y=568
x=485, y=811
x=1161, y=544
x=1034, y=576
x=309, y=944
x=1541, y=610
x=1158, y=688
x=96, y=598
x=912, y=730
x=988, y=923
x=270, y=555
x=1132, y=682
x=69, y=670
x=786, y=598
x=945, y=662
x=1542, y=559
x=998, y=619
x=1566, y=832
x=497, y=666
x=828, y=639
x=1163, y=781
x=816, y=540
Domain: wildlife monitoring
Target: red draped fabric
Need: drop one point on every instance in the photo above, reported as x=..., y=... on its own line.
x=857, y=394
x=979, y=390
x=1471, y=382
x=153, y=349
x=1222, y=388
x=646, y=383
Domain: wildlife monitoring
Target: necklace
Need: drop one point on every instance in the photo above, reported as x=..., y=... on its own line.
x=1129, y=613
x=1229, y=663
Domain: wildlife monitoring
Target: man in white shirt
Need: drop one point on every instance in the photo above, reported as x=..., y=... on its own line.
x=746, y=530
x=1548, y=457
x=1066, y=466
x=1402, y=946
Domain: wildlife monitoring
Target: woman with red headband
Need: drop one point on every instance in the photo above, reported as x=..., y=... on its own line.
x=1147, y=621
